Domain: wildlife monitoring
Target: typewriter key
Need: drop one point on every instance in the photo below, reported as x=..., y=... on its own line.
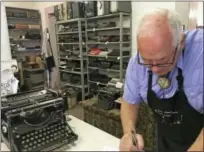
x=17, y=136
x=35, y=142
x=30, y=144
x=29, y=149
x=27, y=140
x=40, y=135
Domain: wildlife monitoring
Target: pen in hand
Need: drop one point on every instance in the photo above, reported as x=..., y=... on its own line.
x=134, y=138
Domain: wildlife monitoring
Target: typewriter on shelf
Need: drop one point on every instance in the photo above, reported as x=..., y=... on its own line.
x=35, y=121
x=107, y=96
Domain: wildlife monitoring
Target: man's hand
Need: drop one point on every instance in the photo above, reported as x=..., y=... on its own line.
x=126, y=143
x=198, y=144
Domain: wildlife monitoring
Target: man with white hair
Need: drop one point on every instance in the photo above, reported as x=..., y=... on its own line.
x=167, y=74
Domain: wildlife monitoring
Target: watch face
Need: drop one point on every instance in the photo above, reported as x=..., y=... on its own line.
x=164, y=83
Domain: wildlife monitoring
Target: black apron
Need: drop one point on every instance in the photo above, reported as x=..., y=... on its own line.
x=178, y=123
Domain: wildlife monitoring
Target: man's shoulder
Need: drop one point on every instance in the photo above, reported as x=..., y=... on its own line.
x=194, y=36
x=194, y=47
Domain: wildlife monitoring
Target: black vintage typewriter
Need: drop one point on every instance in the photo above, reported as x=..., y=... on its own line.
x=107, y=97
x=35, y=121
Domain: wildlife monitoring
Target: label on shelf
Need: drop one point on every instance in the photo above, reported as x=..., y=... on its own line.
x=119, y=85
x=94, y=29
x=106, y=42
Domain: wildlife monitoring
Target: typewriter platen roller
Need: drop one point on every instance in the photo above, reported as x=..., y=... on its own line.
x=40, y=126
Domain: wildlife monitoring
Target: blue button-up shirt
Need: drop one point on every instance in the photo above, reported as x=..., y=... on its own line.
x=136, y=81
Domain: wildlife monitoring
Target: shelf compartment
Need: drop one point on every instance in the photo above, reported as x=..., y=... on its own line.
x=108, y=70
x=104, y=29
x=74, y=72
x=107, y=16
x=73, y=85
x=70, y=21
x=89, y=43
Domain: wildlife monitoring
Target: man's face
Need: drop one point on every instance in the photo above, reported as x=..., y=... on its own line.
x=155, y=46
x=153, y=53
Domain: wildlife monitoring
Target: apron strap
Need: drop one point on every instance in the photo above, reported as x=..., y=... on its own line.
x=150, y=80
x=180, y=79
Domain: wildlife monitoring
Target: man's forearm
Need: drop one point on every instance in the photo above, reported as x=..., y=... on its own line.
x=198, y=144
x=129, y=113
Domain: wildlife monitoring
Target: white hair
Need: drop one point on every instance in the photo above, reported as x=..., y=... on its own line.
x=173, y=20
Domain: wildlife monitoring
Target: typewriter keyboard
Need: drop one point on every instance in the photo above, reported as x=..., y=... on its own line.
x=48, y=138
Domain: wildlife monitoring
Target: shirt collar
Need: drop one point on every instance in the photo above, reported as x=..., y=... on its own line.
x=180, y=60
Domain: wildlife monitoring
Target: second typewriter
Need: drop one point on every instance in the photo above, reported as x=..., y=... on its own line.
x=35, y=121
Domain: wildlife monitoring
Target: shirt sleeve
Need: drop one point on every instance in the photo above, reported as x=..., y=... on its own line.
x=131, y=87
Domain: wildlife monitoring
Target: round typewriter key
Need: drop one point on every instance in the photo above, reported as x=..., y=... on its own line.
x=22, y=142
x=17, y=136
x=25, y=146
x=27, y=140
x=40, y=135
x=34, y=147
x=35, y=142
x=30, y=144
x=32, y=138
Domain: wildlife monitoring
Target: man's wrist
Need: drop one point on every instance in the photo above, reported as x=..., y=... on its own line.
x=129, y=131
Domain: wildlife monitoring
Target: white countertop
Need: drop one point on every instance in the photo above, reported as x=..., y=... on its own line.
x=90, y=138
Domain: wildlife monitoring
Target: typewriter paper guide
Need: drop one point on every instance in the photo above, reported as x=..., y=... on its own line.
x=9, y=84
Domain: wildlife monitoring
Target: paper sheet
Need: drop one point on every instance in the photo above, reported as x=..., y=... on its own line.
x=109, y=148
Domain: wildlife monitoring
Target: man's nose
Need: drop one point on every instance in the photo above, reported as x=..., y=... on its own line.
x=155, y=69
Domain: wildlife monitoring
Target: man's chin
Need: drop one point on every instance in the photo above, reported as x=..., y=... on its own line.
x=161, y=73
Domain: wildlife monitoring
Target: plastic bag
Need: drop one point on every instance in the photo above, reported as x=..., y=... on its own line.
x=9, y=84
